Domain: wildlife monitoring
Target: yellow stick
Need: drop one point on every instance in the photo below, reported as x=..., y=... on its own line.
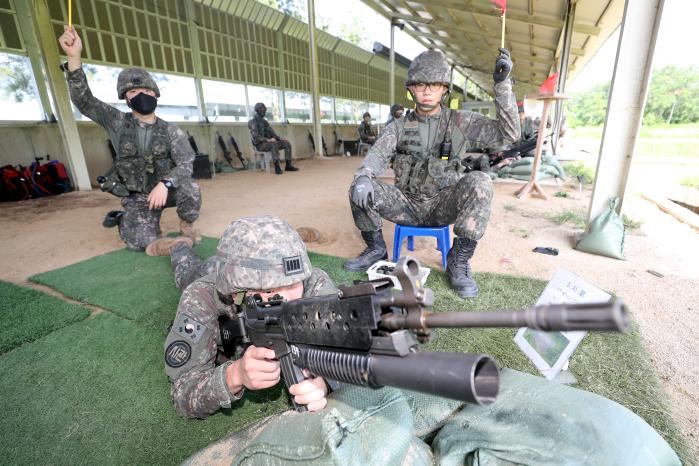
x=70, y=13
x=502, y=36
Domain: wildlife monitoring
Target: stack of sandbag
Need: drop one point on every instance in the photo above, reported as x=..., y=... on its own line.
x=522, y=169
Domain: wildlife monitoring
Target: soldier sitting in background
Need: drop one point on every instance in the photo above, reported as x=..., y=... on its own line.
x=396, y=113
x=153, y=166
x=366, y=132
x=264, y=139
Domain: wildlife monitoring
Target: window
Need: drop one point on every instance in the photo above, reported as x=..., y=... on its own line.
x=326, y=109
x=349, y=111
x=18, y=95
x=177, y=102
x=270, y=97
x=224, y=101
x=297, y=107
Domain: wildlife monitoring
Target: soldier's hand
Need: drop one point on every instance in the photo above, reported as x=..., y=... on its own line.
x=70, y=42
x=311, y=392
x=363, y=190
x=503, y=66
x=157, y=197
x=256, y=370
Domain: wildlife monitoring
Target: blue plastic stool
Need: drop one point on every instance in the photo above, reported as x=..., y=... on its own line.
x=403, y=231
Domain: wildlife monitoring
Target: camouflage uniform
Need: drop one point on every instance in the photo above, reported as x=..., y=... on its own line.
x=366, y=133
x=429, y=191
x=146, y=155
x=260, y=131
x=195, y=362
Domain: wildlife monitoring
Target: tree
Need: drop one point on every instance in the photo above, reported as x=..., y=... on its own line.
x=15, y=77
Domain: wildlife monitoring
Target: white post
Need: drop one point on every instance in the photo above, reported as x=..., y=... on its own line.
x=627, y=99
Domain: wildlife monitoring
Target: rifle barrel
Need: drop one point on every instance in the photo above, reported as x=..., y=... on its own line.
x=610, y=315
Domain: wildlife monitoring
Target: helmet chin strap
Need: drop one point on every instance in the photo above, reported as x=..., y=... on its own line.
x=430, y=107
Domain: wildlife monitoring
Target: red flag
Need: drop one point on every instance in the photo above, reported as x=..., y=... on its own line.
x=549, y=85
x=501, y=4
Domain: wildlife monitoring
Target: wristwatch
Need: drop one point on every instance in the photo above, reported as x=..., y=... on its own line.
x=168, y=184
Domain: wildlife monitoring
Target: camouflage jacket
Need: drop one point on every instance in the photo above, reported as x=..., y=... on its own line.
x=468, y=131
x=198, y=382
x=143, y=159
x=366, y=131
x=260, y=131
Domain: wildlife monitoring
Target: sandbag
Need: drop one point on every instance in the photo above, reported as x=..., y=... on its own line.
x=606, y=234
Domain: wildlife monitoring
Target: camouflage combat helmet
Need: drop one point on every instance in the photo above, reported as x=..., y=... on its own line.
x=260, y=253
x=429, y=67
x=131, y=78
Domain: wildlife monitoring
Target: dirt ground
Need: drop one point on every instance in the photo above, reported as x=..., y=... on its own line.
x=44, y=234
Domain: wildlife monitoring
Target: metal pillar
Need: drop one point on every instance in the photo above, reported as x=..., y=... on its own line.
x=28, y=32
x=196, y=58
x=315, y=85
x=392, y=67
x=627, y=99
x=48, y=43
x=563, y=70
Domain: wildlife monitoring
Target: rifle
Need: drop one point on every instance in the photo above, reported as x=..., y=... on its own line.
x=313, y=143
x=226, y=152
x=521, y=148
x=193, y=143
x=369, y=335
x=237, y=150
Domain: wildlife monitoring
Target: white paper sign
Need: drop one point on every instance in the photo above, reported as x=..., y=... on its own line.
x=550, y=351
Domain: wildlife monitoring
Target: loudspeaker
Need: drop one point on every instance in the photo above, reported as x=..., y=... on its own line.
x=202, y=167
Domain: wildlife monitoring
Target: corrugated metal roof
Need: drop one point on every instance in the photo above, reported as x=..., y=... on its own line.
x=468, y=32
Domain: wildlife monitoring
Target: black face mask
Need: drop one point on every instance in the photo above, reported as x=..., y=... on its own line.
x=143, y=103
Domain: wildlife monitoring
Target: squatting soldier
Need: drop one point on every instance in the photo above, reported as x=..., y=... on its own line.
x=432, y=187
x=366, y=132
x=534, y=421
x=252, y=258
x=265, y=139
x=153, y=166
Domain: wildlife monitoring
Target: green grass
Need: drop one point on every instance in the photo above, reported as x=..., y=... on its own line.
x=561, y=194
x=690, y=182
x=580, y=168
x=630, y=223
x=656, y=140
x=95, y=391
x=28, y=315
x=575, y=217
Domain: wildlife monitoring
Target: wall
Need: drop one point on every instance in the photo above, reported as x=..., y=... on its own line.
x=20, y=143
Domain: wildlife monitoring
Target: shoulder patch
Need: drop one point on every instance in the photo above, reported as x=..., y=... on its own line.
x=188, y=328
x=178, y=353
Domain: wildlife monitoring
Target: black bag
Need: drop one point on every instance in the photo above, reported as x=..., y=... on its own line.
x=202, y=167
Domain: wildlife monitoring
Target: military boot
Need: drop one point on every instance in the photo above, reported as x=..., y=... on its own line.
x=277, y=168
x=459, y=267
x=112, y=219
x=187, y=229
x=290, y=168
x=164, y=246
x=375, y=251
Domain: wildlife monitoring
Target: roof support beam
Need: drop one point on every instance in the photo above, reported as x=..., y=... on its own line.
x=627, y=99
x=315, y=84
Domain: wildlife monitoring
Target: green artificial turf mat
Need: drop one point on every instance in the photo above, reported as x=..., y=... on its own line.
x=96, y=393
x=141, y=288
x=28, y=315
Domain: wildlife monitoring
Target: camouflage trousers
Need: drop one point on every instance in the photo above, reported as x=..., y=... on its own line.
x=465, y=204
x=140, y=225
x=533, y=422
x=188, y=266
x=274, y=148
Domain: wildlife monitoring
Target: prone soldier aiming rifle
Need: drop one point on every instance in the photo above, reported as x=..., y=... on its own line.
x=369, y=335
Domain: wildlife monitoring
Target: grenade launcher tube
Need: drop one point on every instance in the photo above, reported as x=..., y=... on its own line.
x=458, y=376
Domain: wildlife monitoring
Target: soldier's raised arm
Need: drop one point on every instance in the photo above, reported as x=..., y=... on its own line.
x=481, y=131
x=80, y=94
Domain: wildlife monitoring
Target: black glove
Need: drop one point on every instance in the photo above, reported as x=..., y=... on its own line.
x=503, y=66
x=363, y=188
